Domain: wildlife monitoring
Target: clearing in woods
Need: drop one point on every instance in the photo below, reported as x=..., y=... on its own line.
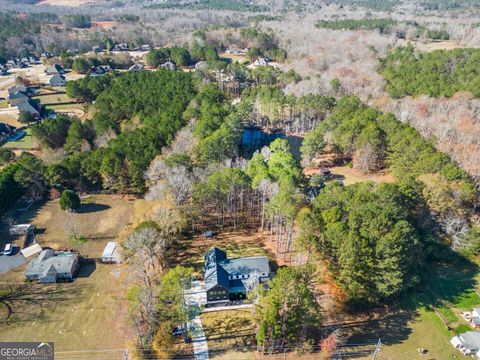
x=74, y=3
x=349, y=176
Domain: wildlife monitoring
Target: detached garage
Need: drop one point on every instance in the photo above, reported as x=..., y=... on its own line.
x=111, y=253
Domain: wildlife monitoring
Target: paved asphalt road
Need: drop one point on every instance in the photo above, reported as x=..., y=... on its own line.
x=8, y=263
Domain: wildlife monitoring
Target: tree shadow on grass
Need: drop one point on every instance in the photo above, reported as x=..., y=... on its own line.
x=447, y=282
x=91, y=208
x=25, y=302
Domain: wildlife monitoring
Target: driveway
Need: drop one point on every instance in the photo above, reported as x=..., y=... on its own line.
x=8, y=263
x=195, y=298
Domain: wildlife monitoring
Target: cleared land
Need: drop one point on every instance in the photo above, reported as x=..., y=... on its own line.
x=90, y=312
x=53, y=99
x=233, y=57
x=74, y=3
x=229, y=329
x=349, y=176
x=437, y=45
x=101, y=218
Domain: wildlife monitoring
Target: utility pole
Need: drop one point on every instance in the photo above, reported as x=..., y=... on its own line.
x=377, y=349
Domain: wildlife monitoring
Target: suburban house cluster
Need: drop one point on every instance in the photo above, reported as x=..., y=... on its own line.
x=229, y=279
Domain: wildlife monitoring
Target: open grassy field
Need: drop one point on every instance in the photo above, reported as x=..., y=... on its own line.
x=100, y=219
x=349, y=176
x=232, y=329
x=70, y=109
x=88, y=313
x=53, y=99
x=233, y=58
x=437, y=45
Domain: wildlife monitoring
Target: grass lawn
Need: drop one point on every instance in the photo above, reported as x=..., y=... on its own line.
x=85, y=314
x=90, y=312
x=426, y=331
x=413, y=324
x=232, y=57
x=100, y=219
x=70, y=109
x=227, y=329
x=25, y=143
x=349, y=176
x=53, y=99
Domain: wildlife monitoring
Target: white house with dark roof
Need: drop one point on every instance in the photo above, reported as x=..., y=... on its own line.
x=228, y=279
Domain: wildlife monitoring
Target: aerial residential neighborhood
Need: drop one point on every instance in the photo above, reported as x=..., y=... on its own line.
x=240, y=179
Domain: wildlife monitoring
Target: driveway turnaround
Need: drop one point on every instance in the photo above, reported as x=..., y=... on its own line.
x=195, y=298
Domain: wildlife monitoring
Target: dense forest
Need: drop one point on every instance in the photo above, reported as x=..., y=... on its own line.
x=13, y=26
x=437, y=73
x=113, y=150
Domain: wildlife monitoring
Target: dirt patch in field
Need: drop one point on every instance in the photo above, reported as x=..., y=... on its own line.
x=103, y=24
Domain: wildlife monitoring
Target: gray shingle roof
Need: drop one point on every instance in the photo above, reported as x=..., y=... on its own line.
x=63, y=262
x=57, y=80
x=218, y=269
x=26, y=106
x=214, y=275
x=247, y=265
x=471, y=340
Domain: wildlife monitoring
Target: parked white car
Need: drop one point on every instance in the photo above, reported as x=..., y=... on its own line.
x=8, y=249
